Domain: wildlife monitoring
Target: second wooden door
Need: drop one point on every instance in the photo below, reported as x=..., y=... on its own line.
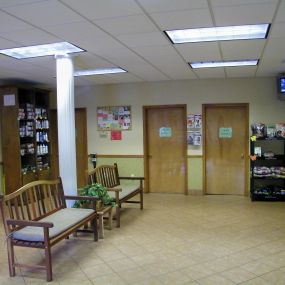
x=165, y=148
x=225, y=148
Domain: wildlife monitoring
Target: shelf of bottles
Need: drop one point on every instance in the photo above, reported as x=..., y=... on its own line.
x=42, y=138
x=34, y=137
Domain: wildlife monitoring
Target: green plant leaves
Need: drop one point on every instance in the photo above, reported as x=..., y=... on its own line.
x=94, y=190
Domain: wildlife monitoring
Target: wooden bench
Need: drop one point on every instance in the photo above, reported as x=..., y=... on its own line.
x=108, y=176
x=36, y=216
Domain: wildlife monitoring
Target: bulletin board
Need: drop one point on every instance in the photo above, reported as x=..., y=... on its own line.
x=114, y=118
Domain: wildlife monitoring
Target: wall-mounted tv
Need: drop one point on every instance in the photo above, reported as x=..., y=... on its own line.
x=281, y=84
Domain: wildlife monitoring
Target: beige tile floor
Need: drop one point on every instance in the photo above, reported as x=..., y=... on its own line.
x=176, y=239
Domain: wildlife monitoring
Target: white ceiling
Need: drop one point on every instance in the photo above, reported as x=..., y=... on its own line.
x=129, y=34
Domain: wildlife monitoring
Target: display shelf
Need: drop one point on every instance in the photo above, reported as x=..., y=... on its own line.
x=25, y=126
x=267, y=174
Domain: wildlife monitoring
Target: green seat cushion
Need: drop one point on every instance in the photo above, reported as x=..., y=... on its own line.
x=62, y=220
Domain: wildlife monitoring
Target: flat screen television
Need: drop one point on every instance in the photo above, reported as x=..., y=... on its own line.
x=281, y=84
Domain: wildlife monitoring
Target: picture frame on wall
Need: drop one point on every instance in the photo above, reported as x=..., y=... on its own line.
x=114, y=118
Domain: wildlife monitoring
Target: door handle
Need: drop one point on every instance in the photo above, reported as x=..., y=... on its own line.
x=242, y=156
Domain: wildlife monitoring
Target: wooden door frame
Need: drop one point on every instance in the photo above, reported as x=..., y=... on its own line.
x=246, y=146
x=145, y=142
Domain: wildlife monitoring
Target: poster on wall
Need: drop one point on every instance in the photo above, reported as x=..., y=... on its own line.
x=194, y=138
x=114, y=118
x=116, y=135
x=197, y=121
x=194, y=125
x=190, y=121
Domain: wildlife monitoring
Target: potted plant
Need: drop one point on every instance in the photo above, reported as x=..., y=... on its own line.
x=94, y=190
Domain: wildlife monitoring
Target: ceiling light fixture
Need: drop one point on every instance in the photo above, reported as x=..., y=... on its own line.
x=99, y=71
x=226, y=33
x=229, y=63
x=61, y=48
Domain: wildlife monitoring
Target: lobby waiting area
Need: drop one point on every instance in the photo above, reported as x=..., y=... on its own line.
x=176, y=239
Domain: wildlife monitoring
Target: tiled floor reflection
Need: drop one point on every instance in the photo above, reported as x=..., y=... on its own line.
x=176, y=239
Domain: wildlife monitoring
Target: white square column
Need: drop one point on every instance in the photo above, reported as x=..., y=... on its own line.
x=66, y=123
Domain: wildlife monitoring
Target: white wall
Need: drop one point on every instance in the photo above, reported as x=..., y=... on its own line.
x=261, y=94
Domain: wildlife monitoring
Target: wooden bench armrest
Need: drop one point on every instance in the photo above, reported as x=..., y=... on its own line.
x=115, y=189
x=131, y=178
x=24, y=223
x=90, y=198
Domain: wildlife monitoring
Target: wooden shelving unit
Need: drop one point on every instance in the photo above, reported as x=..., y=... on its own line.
x=25, y=135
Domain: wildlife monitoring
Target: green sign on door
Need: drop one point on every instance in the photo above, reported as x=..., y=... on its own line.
x=225, y=133
x=165, y=132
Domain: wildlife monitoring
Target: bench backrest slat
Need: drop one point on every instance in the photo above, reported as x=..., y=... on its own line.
x=107, y=175
x=33, y=201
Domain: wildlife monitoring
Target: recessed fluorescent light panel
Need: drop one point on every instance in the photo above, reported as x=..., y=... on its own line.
x=227, y=33
x=99, y=71
x=231, y=63
x=61, y=48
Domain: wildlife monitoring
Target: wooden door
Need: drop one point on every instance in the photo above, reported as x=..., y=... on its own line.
x=81, y=145
x=165, y=149
x=225, y=148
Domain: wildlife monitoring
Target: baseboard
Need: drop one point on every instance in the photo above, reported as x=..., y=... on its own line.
x=196, y=192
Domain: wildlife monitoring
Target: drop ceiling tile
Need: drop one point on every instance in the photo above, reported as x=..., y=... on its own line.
x=169, y=5
x=216, y=3
x=124, y=77
x=104, y=9
x=280, y=16
x=9, y=24
x=144, y=39
x=10, y=3
x=158, y=53
x=277, y=30
x=176, y=71
x=210, y=73
x=102, y=46
x=147, y=72
x=183, y=19
x=270, y=67
x=248, y=71
x=5, y=43
x=89, y=61
x=85, y=35
x=246, y=49
x=244, y=14
x=199, y=51
x=122, y=57
x=275, y=49
x=127, y=25
x=44, y=14
x=77, y=31
x=31, y=37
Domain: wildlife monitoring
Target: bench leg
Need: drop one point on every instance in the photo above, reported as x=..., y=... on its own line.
x=11, y=258
x=110, y=217
x=101, y=225
x=95, y=230
x=118, y=209
x=141, y=198
x=48, y=263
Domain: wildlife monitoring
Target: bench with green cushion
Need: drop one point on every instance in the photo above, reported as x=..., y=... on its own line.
x=36, y=216
x=123, y=189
